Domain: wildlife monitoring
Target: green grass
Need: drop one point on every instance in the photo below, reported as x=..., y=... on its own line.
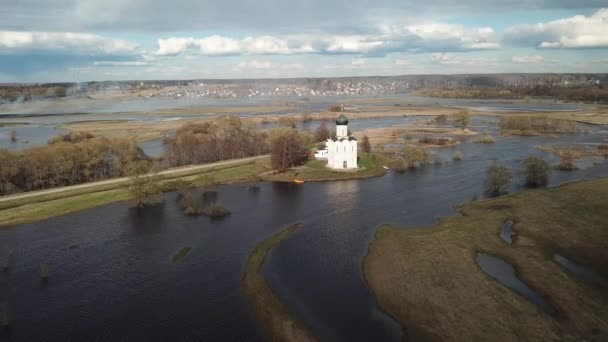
x=370, y=165
x=275, y=319
x=428, y=279
x=44, y=206
x=181, y=254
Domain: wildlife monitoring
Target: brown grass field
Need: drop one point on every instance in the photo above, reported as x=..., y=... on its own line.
x=429, y=281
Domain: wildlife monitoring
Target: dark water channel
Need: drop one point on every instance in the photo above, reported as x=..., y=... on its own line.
x=119, y=282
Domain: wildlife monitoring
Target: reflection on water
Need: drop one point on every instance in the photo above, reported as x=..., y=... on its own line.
x=120, y=282
x=505, y=274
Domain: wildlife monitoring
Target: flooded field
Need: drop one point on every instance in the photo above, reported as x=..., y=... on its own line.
x=112, y=274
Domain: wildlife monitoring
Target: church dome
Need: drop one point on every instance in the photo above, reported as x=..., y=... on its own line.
x=342, y=120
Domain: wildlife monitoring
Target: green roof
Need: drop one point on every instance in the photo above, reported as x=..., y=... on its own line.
x=342, y=120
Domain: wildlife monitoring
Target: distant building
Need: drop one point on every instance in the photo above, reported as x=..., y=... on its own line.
x=342, y=149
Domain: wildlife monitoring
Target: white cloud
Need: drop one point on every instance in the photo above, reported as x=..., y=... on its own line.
x=256, y=65
x=121, y=64
x=533, y=59
x=432, y=37
x=64, y=41
x=570, y=33
x=455, y=59
x=400, y=61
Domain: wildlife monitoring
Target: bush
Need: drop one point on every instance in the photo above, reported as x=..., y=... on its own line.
x=435, y=141
x=190, y=202
x=537, y=171
x=399, y=165
x=462, y=119
x=415, y=156
x=457, y=155
x=485, y=139
x=441, y=119
x=216, y=210
x=498, y=178
x=365, y=145
x=527, y=125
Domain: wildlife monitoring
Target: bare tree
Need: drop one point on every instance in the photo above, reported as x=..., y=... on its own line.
x=145, y=184
x=287, y=150
x=322, y=132
x=365, y=145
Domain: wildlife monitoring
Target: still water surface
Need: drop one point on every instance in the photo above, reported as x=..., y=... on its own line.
x=120, y=282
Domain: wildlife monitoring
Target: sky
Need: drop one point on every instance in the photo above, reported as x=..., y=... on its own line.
x=97, y=40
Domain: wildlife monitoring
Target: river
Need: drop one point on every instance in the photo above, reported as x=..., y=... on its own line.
x=112, y=276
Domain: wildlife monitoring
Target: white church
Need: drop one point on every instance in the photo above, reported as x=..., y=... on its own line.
x=341, y=150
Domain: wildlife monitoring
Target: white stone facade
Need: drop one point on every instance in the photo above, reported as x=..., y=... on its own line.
x=342, y=149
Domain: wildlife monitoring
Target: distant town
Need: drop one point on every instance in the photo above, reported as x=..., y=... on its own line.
x=516, y=85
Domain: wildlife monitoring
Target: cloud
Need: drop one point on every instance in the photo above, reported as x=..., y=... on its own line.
x=78, y=43
x=254, y=65
x=263, y=17
x=576, y=32
x=455, y=59
x=121, y=64
x=435, y=37
x=534, y=59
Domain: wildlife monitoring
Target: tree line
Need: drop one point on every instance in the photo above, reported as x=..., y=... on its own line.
x=226, y=138
x=66, y=160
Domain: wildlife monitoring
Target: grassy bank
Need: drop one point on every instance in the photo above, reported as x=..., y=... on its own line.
x=43, y=205
x=428, y=278
x=370, y=165
x=273, y=316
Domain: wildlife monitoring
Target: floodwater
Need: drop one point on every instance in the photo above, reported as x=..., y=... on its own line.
x=120, y=282
x=505, y=274
x=506, y=231
x=580, y=271
x=37, y=121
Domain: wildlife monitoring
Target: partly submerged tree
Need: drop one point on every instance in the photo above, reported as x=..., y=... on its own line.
x=462, y=119
x=144, y=187
x=537, y=171
x=498, y=177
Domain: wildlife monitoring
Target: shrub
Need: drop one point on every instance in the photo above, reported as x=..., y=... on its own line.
x=365, y=145
x=190, y=202
x=498, y=178
x=457, y=155
x=527, y=125
x=415, y=156
x=441, y=119
x=462, y=119
x=537, y=171
x=485, y=139
x=216, y=210
x=399, y=165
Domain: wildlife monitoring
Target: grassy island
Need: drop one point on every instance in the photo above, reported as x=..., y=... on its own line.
x=370, y=165
x=428, y=279
x=277, y=322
